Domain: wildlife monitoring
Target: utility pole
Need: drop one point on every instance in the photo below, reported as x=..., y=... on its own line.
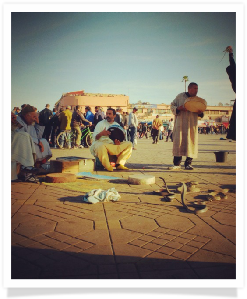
x=185, y=79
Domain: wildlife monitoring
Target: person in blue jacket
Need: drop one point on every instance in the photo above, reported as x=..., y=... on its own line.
x=89, y=114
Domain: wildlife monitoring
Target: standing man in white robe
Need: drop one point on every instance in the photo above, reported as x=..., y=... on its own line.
x=185, y=132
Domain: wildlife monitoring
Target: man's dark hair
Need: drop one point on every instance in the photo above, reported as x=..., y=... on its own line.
x=77, y=107
x=192, y=84
x=27, y=109
x=88, y=108
x=113, y=110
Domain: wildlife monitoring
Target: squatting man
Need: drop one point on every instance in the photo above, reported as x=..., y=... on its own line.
x=103, y=146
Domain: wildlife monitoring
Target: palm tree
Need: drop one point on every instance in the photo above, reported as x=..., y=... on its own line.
x=185, y=79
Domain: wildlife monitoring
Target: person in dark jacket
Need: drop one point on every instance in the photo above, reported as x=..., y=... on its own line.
x=55, y=124
x=44, y=119
x=231, y=71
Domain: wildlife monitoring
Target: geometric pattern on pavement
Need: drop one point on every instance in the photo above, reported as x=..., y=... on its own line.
x=55, y=235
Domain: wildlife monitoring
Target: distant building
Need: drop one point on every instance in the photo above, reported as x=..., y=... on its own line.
x=93, y=99
x=218, y=113
x=146, y=111
x=213, y=114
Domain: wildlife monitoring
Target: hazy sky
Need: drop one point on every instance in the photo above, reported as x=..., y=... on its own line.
x=142, y=55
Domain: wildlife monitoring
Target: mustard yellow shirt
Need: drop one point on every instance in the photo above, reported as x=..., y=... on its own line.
x=65, y=118
x=157, y=122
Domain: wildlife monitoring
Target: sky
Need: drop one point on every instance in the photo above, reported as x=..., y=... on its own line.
x=143, y=55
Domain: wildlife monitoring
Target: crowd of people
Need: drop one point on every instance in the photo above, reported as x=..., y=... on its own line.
x=213, y=130
x=34, y=133
x=147, y=130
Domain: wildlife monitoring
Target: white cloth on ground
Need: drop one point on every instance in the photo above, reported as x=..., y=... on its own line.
x=99, y=195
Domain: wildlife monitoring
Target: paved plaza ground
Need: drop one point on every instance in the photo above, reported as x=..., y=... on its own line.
x=55, y=235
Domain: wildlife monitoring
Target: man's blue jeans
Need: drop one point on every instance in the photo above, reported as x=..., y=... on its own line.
x=67, y=136
x=133, y=131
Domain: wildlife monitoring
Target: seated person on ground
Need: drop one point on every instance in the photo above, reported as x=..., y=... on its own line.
x=103, y=146
x=28, y=120
x=22, y=151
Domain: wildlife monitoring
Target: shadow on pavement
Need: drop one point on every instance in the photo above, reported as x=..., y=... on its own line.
x=216, y=150
x=162, y=167
x=216, y=166
x=229, y=186
x=37, y=263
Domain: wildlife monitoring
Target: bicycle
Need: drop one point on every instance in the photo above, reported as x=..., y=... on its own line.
x=66, y=137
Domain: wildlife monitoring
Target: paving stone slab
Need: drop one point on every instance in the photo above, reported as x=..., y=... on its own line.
x=217, y=272
x=127, y=253
x=138, y=224
x=176, y=222
x=74, y=227
x=99, y=254
x=21, y=269
x=35, y=227
x=122, y=236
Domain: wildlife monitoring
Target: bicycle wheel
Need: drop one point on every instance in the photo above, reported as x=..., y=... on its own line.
x=73, y=139
x=89, y=139
x=62, y=140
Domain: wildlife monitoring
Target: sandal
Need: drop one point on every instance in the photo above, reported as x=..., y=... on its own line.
x=30, y=178
x=46, y=167
x=29, y=169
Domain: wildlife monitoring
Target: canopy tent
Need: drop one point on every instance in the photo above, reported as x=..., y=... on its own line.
x=210, y=123
x=201, y=124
